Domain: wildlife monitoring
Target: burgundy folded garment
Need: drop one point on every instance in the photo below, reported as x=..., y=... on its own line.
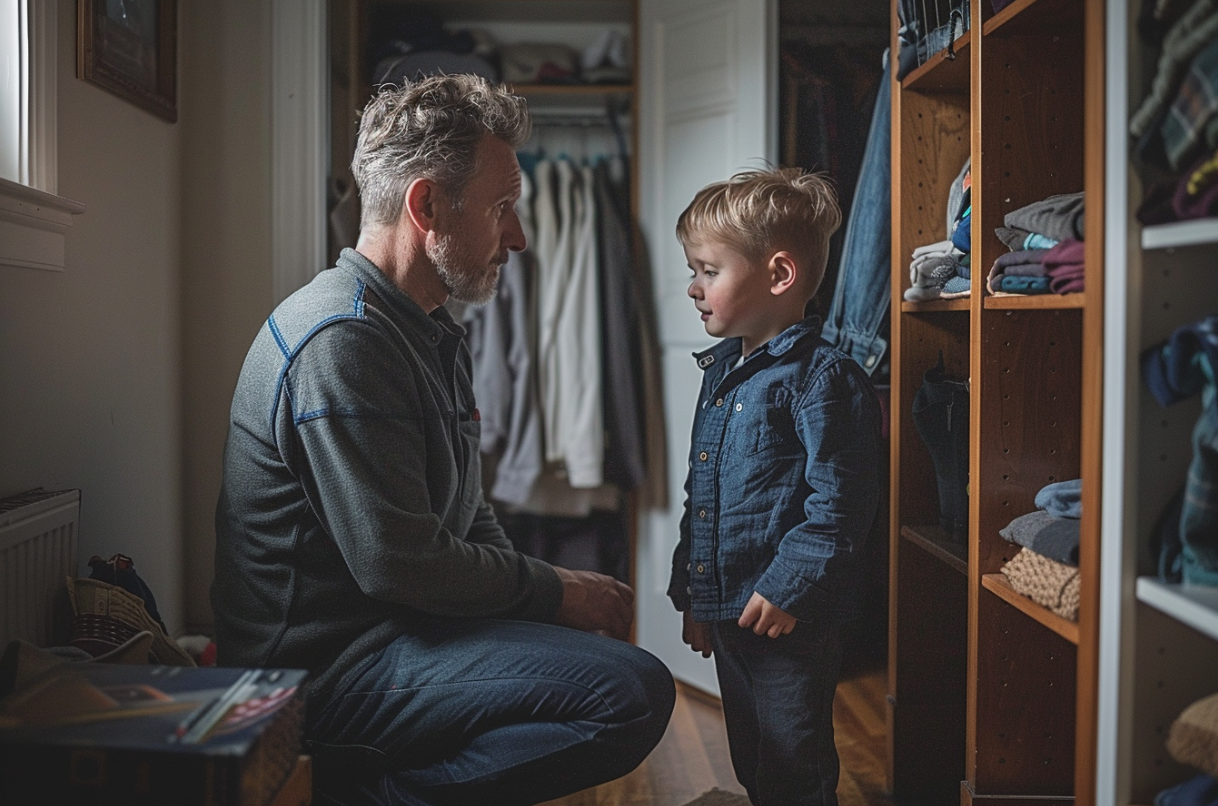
x=1157, y=207
x=1195, y=205
x=1068, y=251
x=1066, y=278
x=1074, y=286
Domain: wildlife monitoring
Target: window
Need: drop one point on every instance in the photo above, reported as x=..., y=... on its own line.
x=33, y=220
x=14, y=91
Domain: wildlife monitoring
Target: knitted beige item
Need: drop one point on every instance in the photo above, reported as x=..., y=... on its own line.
x=1047, y=582
x=1193, y=737
x=106, y=615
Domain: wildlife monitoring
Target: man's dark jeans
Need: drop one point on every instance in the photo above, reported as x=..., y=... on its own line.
x=481, y=712
x=778, y=703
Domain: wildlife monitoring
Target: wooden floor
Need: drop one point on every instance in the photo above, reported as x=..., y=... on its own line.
x=693, y=756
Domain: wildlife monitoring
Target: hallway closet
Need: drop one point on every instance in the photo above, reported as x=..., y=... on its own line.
x=562, y=368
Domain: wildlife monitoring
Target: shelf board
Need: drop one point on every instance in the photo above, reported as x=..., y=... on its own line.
x=573, y=89
x=998, y=585
x=1195, y=606
x=929, y=306
x=1036, y=302
x=1180, y=233
x=1035, y=17
x=547, y=11
x=938, y=543
x=940, y=73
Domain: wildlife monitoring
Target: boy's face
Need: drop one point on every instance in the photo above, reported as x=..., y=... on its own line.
x=731, y=292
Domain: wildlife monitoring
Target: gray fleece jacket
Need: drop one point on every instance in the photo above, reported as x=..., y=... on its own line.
x=351, y=504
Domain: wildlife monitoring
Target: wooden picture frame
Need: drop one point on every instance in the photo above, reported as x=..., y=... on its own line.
x=129, y=47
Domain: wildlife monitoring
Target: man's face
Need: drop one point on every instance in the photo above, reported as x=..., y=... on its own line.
x=469, y=246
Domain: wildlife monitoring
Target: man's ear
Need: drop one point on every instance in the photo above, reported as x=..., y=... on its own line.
x=784, y=273
x=419, y=206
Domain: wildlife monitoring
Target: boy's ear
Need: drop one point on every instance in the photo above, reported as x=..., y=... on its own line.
x=784, y=273
x=419, y=206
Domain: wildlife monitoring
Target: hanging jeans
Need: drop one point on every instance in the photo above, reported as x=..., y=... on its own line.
x=940, y=413
x=861, y=298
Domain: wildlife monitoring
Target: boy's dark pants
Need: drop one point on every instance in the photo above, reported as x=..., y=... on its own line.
x=778, y=703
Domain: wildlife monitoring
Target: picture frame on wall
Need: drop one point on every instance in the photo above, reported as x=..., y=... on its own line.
x=129, y=47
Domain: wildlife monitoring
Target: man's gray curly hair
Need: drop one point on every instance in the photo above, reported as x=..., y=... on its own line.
x=429, y=129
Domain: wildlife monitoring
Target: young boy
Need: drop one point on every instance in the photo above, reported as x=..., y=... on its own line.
x=783, y=483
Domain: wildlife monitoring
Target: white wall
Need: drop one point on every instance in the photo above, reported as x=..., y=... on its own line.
x=89, y=358
x=226, y=258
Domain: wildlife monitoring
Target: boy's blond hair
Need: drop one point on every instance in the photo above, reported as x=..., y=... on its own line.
x=758, y=213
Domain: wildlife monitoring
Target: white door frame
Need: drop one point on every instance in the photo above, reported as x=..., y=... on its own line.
x=299, y=142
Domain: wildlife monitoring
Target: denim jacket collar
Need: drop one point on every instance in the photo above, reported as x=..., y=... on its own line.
x=730, y=349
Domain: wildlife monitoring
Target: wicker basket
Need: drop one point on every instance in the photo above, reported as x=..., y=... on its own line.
x=107, y=615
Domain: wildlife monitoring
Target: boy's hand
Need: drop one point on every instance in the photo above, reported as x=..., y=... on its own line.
x=697, y=634
x=765, y=618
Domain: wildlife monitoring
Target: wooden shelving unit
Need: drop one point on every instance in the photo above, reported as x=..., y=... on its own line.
x=1158, y=644
x=1194, y=607
x=998, y=585
x=936, y=542
x=1010, y=683
x=1037, y=302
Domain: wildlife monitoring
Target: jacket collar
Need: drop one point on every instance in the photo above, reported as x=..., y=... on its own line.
x=438, y=324
x=730, y=349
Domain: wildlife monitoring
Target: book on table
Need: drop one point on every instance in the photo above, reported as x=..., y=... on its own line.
x=144, y=734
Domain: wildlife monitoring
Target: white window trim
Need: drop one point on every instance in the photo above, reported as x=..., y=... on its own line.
x=44, y=98
x=299, y=132
x=33, y=219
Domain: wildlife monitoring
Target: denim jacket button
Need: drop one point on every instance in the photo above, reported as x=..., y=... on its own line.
x=703, y=456
x=719, y=402
x=702, y=513
x=688, y=566
x=739, y=407
x=701, y=569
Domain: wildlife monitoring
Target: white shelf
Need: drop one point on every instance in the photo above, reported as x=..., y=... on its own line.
x=1180, y=233
x=1195, y=606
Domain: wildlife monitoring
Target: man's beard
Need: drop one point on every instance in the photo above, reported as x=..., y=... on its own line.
x=464, y=281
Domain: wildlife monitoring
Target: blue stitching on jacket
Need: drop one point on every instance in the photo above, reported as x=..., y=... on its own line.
x=290, y=356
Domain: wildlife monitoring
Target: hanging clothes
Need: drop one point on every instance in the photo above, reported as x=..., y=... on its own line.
x=554, y=341
x=856, y=319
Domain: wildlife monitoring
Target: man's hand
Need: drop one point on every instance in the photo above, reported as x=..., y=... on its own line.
x=697, y=634
x=595, y=603
x=765, y=618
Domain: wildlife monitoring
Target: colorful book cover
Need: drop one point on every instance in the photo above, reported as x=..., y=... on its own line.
x=137, y=734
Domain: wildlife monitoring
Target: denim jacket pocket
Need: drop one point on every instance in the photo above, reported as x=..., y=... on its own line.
x=776, y=430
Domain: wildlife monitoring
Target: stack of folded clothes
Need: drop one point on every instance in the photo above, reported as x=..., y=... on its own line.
x=1176, y=125
x=942, y=269
x=1193, y=740
x=1046, y=243
x=1046, y=567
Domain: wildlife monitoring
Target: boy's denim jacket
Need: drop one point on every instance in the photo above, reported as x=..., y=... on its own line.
x=784, y=480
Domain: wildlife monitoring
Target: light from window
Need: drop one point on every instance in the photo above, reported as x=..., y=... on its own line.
x=14, y=91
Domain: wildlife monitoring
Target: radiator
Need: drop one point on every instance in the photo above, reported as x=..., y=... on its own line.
x=37, y=554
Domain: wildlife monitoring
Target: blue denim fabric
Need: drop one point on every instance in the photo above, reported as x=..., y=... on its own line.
x=1201, y=790
x=784, y=480
x=861, y=297
x=778, y=705
x=479, y=712
x=1181, y=368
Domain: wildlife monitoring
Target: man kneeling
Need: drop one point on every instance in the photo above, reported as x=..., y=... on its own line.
x=352, y=536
